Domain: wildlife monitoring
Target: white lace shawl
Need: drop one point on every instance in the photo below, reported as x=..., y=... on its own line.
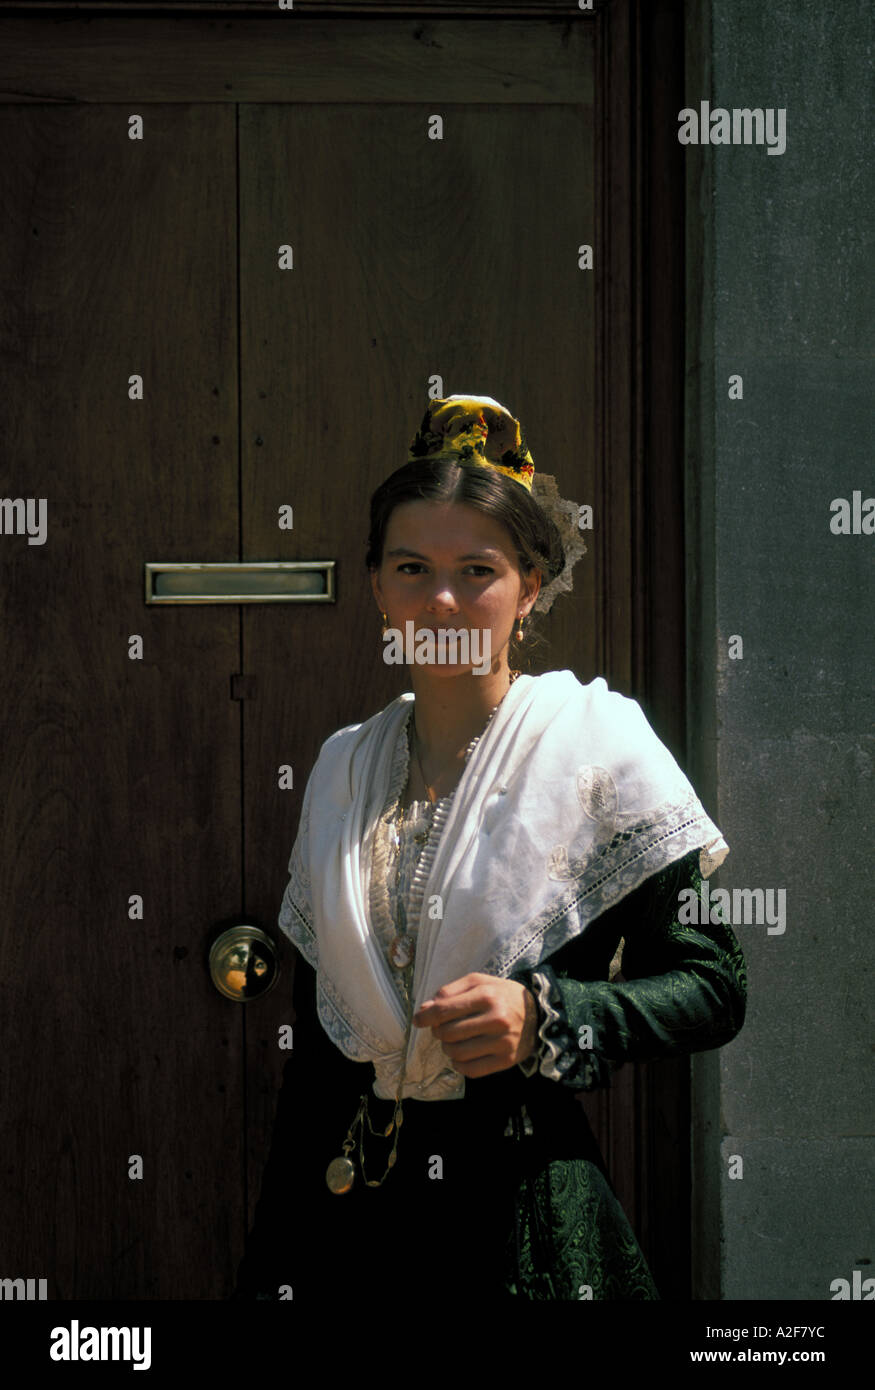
x=568, y=803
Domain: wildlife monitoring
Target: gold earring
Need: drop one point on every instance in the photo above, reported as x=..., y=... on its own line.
x=385, y=622
x=519, y=632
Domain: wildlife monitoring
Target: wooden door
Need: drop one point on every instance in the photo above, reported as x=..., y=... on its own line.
x=175, y=381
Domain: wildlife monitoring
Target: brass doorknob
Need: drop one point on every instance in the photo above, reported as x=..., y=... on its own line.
x=244, y=963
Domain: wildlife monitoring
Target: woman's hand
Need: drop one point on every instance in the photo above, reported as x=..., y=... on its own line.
x=484, y=1023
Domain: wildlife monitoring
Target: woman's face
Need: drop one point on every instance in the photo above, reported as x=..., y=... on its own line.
x=449, y=565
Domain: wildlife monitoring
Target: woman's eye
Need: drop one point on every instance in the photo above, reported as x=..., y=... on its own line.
x=409, y=564
x=484, y=569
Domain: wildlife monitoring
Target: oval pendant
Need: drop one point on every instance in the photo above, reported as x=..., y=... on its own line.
x=401, y=950
x=340, y=1175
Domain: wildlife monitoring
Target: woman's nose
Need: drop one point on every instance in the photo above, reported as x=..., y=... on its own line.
x=441, y=594
x=442, y=601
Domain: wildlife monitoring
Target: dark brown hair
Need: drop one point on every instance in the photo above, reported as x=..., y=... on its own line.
x=535, y=537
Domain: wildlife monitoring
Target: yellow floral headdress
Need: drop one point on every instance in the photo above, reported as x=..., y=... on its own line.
x=478, y=429
x=475, y=429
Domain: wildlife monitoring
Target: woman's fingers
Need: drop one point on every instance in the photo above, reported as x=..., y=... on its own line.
x=470, y=1025
x=484, y=1023
x=456, y=1000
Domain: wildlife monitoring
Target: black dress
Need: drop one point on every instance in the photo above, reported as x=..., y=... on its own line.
x=502, y=1193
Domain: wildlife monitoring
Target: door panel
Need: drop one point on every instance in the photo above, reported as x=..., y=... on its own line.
x=120, y=777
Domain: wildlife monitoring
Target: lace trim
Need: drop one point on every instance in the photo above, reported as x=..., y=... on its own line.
x=378, y=890
x=296, y=926
x=558, y=1061
x=381, y=897
x=606, y=873
x=550, y=1052
x=296, y=913
x=351, y=1034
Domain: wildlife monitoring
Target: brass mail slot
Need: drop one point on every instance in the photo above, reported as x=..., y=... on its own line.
x=268, y=581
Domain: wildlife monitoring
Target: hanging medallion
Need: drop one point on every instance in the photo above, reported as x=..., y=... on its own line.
x=401, y=950
x=340, y=1175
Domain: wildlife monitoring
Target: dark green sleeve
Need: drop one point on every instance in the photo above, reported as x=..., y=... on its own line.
x=684, y=990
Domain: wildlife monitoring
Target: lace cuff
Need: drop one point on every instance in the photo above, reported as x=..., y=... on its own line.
x=561, y=1056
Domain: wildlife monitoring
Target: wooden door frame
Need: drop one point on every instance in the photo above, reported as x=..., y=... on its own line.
x=639, y=250
x=643, y=236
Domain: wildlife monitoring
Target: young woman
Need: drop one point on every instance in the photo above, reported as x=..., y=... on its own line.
x=468, y=862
